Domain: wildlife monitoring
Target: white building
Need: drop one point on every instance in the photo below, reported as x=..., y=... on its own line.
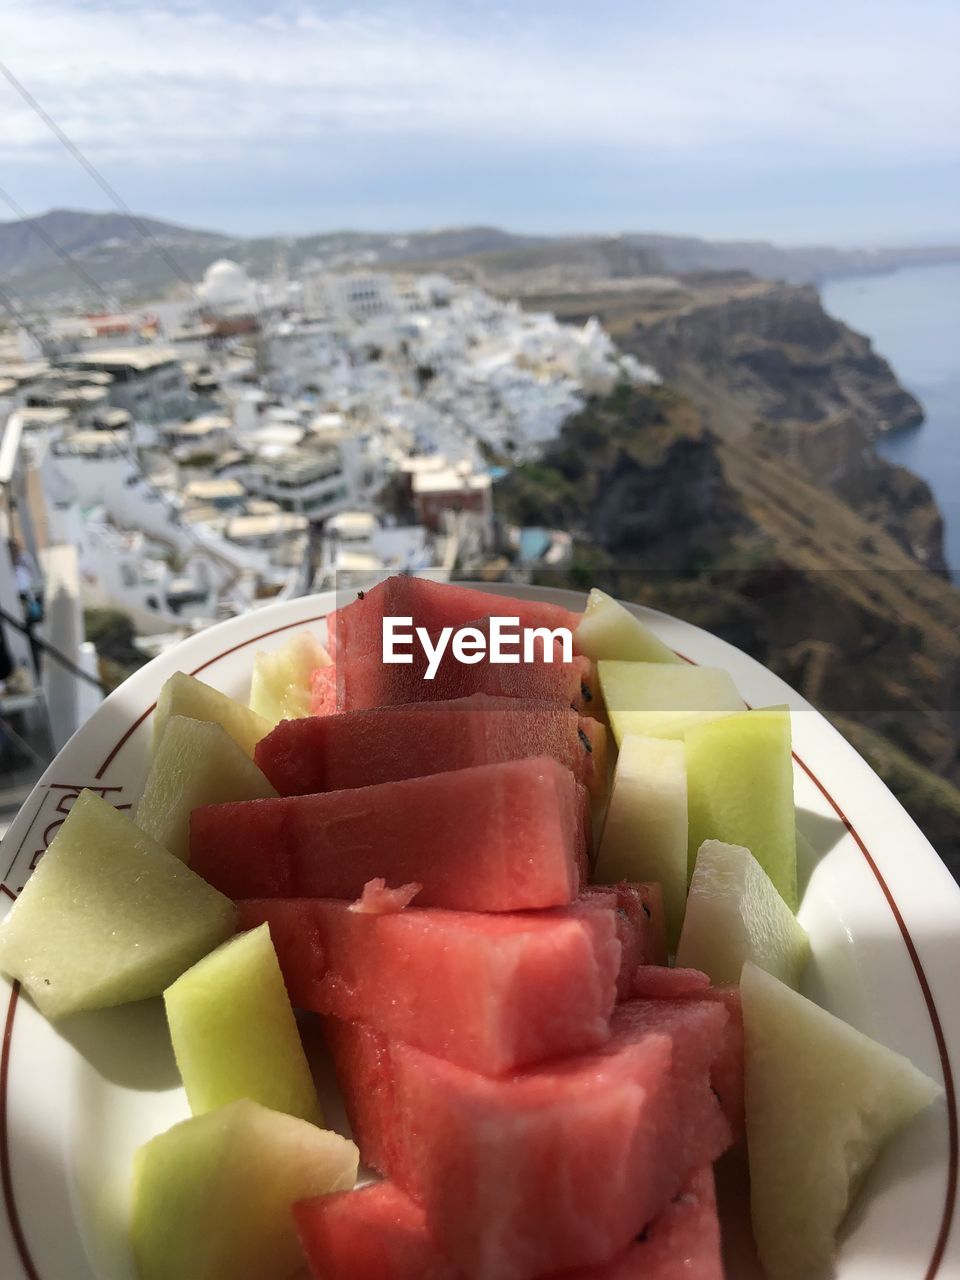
x=148, y=381
x=226, y=289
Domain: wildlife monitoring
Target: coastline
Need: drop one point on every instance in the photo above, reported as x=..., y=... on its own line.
x=912, y=316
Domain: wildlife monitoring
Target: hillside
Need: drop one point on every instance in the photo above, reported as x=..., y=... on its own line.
x=764, y=362
x=110, y=248
x=88, y=236
x=667, y=513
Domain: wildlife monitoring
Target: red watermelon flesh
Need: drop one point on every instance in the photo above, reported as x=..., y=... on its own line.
x=379, y=1233
x=656, y=982
x=323, y=691
x=374, y=1233
x=492, y=992
x=681, y=1243
x=378, y=899
x=652, y=982
x=360, y=748
x=363, y=1062
x=498, y=837
x=550, y=1168
x=357, y=627
x=726, y=1075
x=365, y=682
x=641, y=928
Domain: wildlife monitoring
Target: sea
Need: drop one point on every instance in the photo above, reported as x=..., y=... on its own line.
x=913, y=319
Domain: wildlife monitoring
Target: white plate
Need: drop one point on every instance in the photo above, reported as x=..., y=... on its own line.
x=882, y=912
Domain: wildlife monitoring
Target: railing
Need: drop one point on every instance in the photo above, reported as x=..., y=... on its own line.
x=51, y=651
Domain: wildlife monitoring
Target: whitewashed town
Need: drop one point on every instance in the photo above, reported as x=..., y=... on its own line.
x=262, y=439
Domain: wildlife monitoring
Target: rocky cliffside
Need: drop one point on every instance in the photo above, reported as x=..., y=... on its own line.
x=742, y=541
x=764, y=361
x=778, y=355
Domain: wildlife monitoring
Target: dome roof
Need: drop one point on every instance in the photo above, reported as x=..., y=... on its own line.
x=225, y=282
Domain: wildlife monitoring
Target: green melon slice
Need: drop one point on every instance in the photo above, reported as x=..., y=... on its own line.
x=212, y=1196
x=183, y=695
x=195, y=763
x=108, y=916
x=821, y=1100
x=645, y=833
x=280, y=686
x=234, y=1032
x=658, y=700
x=740, y=790
x=608, y=630
x=735, y=915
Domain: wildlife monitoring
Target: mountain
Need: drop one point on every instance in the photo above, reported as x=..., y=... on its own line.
x=86, y=235
x=803, y=264
x=114, y=253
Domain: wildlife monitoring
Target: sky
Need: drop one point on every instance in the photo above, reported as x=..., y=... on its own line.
x=831, y=121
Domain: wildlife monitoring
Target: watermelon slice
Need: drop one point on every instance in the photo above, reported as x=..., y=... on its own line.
x=492, y=992
x=641, y=928
x=379, y=1233
x=357, y=628
x=376, y=1233
x=371, y=682
x=681, y=1243
x=652, y=982
x=360, y=748
x=323, y=691
x=498, y=837
x=550, y=1168
x=363, y=1062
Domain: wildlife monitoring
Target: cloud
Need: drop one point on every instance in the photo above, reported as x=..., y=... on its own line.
x=756, y=84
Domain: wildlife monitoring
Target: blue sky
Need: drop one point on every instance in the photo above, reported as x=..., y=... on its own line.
x=823, y=122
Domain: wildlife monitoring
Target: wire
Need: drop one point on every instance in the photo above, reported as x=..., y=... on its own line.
x=107, y=188
x=60, y=658
x=63, y=254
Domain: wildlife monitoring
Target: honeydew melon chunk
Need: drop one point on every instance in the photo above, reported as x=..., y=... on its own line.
x=740, y=790
x=184, y=695
x=234, y=1033
x=735, y=915
x=608, y=630
x=821, y=1100
x=659, y=700
x=108, y=916
x=645, y=834
x=280, y=685
x=196, y=762
x=212, y=1195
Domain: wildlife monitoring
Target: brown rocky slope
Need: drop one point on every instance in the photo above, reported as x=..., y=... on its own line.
x=760, y=358
x=732, y=537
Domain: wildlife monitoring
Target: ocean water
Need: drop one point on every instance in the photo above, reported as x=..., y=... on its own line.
x=913, y=318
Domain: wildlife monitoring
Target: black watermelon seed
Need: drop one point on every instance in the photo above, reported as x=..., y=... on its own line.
x=585, y=740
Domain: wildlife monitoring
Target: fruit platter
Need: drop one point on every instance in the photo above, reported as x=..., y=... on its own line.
x=340, y=951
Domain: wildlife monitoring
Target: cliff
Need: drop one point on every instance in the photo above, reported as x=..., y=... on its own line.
x=764, y=361
x=741, y=541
